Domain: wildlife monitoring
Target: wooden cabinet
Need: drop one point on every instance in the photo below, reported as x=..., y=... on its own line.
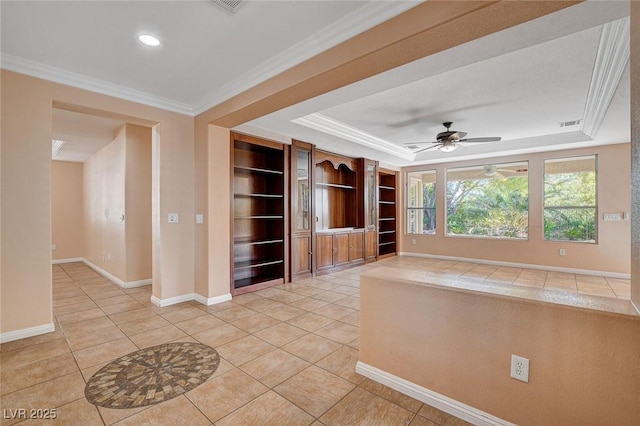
x=387, y=213
x=302, y=217
x=324, y=251
x=260, y=241
x=338, y=248
x=301, y=249
x=371, y=244
x=356, y=246
x=370, y=209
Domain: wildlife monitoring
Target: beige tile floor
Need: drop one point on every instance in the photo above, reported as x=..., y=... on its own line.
x=288, y=353
x=288, y=356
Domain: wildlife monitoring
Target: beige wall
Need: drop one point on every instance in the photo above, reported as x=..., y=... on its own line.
x=610, y=254
x=67, y=218
x=117, y=206
x=26, y=106
x=138, y=202
x=584, y=366
x=104, y=209
x=213, y=183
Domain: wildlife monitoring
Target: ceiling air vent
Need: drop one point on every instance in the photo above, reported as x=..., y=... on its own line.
x=570, y=123
x=229, y=5
x=56, y=145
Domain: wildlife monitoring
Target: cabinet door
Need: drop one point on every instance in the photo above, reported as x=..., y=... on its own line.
x=324, y=250
x=301, y=190
x=371, y=243
x=356, y=246
x=301, y=262
x=341, y=248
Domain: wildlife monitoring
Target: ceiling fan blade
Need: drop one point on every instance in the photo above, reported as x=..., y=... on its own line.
x=427, y=148
x=490, y=139
x=418, y=143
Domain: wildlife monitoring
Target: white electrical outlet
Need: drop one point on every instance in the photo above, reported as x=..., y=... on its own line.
x=520, y=368
x=413, y=241
x=199, y=218
x=562, y=252
x=53, y=247
x=174, y=218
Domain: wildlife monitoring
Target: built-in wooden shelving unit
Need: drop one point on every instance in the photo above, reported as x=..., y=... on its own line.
x=259, y=219
x=387, y=213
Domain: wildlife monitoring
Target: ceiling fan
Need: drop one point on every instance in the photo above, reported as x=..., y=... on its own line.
x=492, y=171
x=447, y=141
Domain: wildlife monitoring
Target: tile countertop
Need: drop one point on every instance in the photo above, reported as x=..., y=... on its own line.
x=597, y=304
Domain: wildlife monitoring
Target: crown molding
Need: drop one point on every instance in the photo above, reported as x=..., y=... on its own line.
x=58, y=75
x=345, y=28
x=341, y=130
x=611, y=61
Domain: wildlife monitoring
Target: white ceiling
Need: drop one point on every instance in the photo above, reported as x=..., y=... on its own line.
x=83, y=134
x=518, y=84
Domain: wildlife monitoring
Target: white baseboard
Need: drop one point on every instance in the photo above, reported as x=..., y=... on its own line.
x=69, y=260
x=520, y=265
x=10, y=336
x=116, y=280
x=189, y=297
x=212, y=300
x=439, y=401
x=172, y=300
x=139, y=283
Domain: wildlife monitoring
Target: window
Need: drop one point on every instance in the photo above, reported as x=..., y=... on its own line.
x=570, y=199
x=421, y=202
x=489, y=201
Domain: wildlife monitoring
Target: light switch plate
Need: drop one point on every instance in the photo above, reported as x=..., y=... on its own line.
x=199, y=218
x=615, y=217
x=174, y=218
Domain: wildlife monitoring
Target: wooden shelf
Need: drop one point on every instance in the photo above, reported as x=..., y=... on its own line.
x=240, y=194
x=238, y=266
x=390, y=188
x=386, y=202
x=386, y=232
x=386, y=244
x=252, y=242
x=335, y=185
x=259, y=217
x=387, y=218
x=244, y=169
x=252, y=280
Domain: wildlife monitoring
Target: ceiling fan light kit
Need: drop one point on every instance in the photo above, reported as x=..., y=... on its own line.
x=448, y=146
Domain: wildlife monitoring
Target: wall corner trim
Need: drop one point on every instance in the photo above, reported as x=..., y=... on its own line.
x=212, y=300
x=439, y=401
x=10, y=336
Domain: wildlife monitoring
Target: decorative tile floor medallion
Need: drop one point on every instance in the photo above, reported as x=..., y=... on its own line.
x=152, y=375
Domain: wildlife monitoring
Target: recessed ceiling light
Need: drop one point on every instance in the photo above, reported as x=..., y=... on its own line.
x=149, y=40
